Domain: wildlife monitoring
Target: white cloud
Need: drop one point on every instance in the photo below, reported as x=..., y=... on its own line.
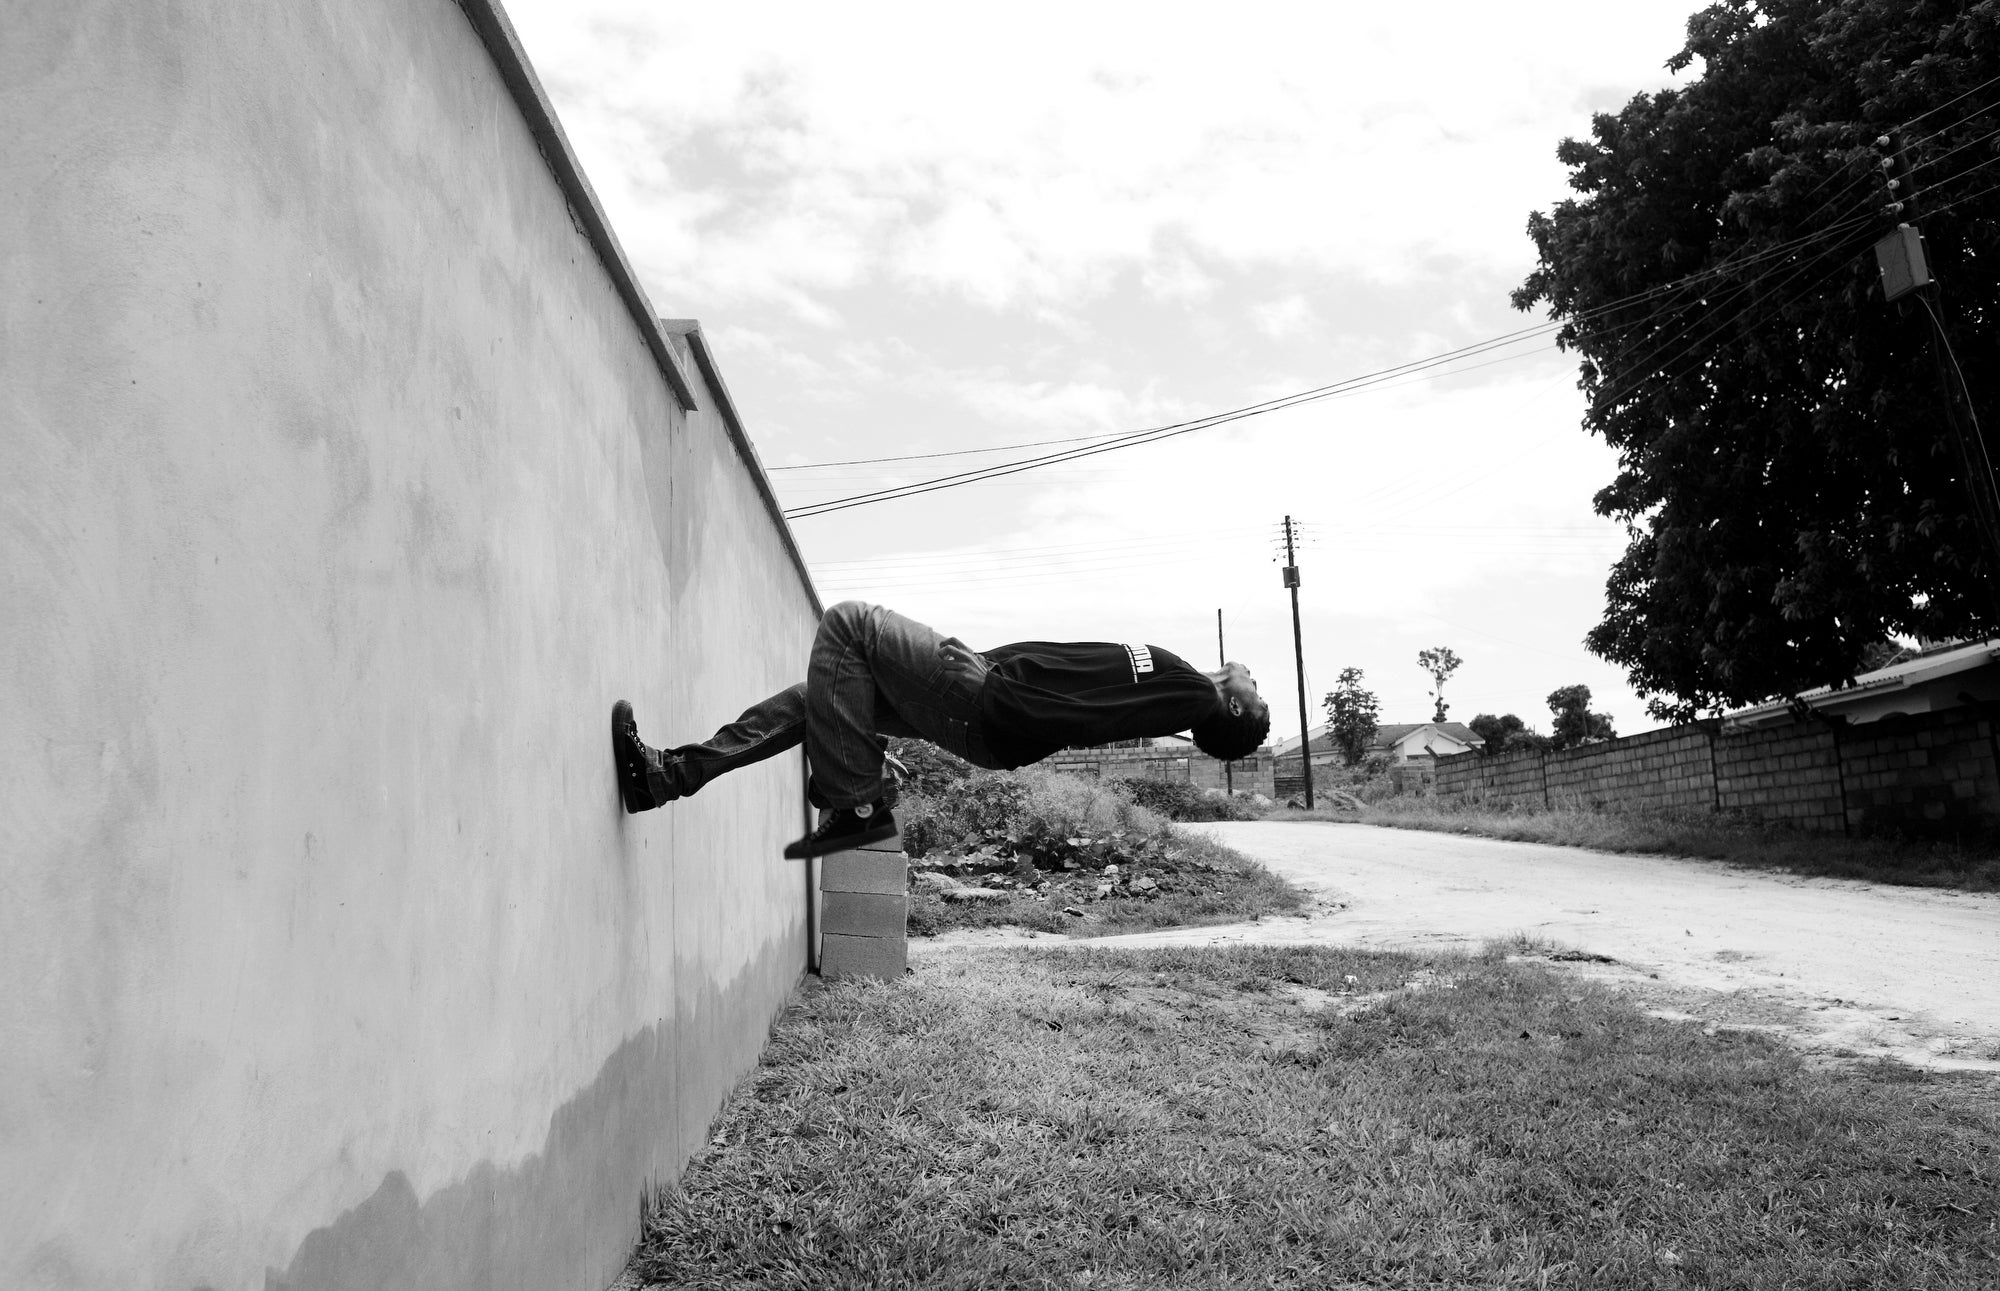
x=1288, y=317
x=917, y=227
x=951, y=149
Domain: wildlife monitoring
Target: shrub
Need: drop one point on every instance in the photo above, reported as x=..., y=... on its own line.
x=932, y=772
x=1044, y=818
x=1178, y=800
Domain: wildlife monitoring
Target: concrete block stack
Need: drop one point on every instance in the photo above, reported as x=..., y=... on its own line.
x=865, y=911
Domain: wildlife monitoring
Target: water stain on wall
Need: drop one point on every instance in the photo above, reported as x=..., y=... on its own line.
x=546, y=1222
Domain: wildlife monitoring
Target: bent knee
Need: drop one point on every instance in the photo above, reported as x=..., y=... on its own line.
x=847, y=612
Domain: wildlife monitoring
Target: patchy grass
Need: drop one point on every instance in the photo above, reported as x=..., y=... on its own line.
x=1313, y=1117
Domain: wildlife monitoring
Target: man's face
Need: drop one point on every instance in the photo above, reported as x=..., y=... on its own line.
x=1239, y=689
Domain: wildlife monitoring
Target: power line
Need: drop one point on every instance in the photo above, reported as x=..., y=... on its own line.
x=1337, y=389
x=956, y=452
x=1112, y=442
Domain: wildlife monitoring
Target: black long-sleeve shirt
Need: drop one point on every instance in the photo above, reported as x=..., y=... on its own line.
x=1042, y=696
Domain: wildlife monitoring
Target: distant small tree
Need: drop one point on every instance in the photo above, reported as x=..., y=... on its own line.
x=1440, y=662
x=1351, y=710
x=1574, y=722
x=1505, y=734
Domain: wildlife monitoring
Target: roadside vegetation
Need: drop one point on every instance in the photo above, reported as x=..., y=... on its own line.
x=1060, y=853
x=1908, y=862
x=1370, y=794
x=1072, y=1116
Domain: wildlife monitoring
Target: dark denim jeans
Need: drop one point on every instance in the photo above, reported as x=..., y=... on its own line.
x=873, y=673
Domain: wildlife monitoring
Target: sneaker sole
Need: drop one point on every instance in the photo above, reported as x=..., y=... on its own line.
x=626, y=762
x=803, y=850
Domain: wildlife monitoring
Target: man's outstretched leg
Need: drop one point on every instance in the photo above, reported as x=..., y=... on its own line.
x=650, y=777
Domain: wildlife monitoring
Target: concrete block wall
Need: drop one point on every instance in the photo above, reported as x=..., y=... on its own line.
x=1668, y=769
x=1931, y=773
x=1518, y=777
x=1253, y=774
x=345, y=481
x=865, y=912
x=1926, y=773
x=1789, y=772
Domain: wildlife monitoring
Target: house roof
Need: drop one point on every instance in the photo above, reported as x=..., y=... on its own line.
x=1388, y=735
x=1878, y=693
x=1322, y=739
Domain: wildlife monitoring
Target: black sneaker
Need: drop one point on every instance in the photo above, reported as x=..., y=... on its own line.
x=641, y=779
x=845, y=828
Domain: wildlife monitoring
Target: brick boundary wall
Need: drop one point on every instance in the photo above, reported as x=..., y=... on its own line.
x=1250, y=775
x=1789, y=773
x=1671, y=769
x=1933, y=773
x=1936, y=773
x=1507, y=778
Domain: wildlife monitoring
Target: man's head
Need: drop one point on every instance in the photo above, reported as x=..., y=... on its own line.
x=1241, y=719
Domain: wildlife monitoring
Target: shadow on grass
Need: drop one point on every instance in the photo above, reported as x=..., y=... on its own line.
x=1313, y=1116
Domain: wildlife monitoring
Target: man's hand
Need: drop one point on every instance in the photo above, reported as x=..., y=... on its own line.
x=963, y=657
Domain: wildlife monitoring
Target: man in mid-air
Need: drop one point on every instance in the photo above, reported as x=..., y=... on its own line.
x=875, y=674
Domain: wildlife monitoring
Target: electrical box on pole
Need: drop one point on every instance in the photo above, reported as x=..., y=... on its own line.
x=1900, y=256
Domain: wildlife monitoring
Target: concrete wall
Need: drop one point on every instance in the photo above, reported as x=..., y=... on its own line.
x=1789, y=771
x=344, y=485
x=1246, y=775
x=1670, y=769
x=1923, y=773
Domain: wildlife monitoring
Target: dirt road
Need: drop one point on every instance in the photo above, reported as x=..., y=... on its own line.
x=1860, y=967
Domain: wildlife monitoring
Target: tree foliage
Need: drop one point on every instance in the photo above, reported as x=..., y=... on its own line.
x=1440, y=662
x=1788, y=476
x=1505, y=734
x=1574, y=722
x=1351, y=710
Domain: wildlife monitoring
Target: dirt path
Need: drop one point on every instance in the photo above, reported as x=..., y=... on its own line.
x=1837, y=965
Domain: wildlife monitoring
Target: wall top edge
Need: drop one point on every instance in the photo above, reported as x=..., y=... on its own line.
x=491, y=24
x=489, y=21
x=689, y=329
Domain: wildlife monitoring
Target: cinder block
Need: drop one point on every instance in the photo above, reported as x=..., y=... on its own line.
x=865, y=871
x=864, y=914
x=893, y=843
x=845, y=956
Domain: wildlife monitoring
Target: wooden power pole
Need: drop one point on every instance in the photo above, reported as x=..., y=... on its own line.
x=1222, y=661
x=1299, y=658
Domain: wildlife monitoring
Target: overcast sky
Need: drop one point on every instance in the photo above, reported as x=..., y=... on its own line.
x=921, y=229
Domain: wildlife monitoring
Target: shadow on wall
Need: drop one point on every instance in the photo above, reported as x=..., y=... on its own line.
x=513, y=1227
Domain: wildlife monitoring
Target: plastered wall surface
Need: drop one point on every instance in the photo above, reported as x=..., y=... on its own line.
x=340, y=496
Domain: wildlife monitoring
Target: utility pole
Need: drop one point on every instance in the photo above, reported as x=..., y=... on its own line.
x=1222, y=660
x=1299, y=657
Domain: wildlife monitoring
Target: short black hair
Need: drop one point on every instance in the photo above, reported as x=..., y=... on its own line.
x=1227, y=736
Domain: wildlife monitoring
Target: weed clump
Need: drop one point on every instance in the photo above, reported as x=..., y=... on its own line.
x=1058, y=852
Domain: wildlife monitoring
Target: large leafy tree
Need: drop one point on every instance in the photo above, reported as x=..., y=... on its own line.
x=1789, y=474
